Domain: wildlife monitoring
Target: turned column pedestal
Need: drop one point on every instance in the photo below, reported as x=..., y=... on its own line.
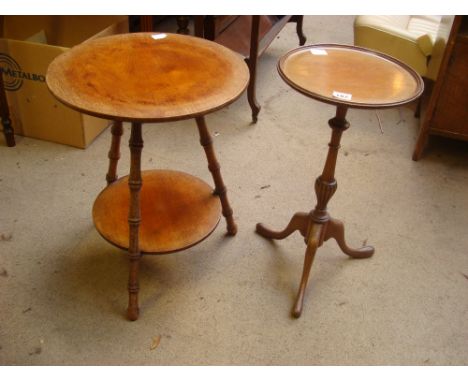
x=346, y=77
x=318, y=226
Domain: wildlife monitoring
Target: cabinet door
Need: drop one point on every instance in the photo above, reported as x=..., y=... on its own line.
x=451, y=114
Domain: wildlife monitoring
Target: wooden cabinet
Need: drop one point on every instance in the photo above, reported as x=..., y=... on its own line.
x=250, y=36
x=447, y=110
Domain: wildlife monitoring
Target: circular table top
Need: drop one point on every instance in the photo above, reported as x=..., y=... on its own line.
x=147, y=77
x=348, y=75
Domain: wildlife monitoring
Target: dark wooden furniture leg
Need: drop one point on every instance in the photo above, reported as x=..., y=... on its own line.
x=198, y=26
x=146, y=23
x=114, y=152
x=421, y=142
x=251, y=62
x=299, y=20
x=417, y=111
x=317, y=226
x=214, y=167
x=5, y=115
x=134, y=218
x=182, y=23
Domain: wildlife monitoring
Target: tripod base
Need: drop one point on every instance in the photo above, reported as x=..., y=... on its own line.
x=314, y=234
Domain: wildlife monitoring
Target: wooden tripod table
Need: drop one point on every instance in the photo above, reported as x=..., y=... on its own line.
x=347, y=77
x=152, y=77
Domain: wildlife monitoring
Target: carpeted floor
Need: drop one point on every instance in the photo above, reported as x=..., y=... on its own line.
x=227, y=301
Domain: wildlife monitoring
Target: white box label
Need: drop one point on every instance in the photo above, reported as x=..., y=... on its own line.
x=343, y=96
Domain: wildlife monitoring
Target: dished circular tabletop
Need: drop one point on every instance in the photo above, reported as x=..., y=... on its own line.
x=147, y=77
x=349, y=75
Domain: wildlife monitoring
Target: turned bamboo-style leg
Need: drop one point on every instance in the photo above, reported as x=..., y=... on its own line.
x=214, y=167
x=134, y=218
x=114, y=152
x=5, y=115
x=251, y=62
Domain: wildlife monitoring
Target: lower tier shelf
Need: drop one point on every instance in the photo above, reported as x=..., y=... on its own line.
x=178, y=211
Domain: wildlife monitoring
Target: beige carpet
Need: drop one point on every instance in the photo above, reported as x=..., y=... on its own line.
x=227, y=301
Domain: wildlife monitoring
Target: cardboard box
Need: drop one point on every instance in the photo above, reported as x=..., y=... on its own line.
x=28, y=46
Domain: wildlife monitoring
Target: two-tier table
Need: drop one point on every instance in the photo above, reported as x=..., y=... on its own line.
x=152, y=77
x=347, y=77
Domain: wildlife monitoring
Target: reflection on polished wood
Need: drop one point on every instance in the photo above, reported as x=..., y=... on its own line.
x=178, y=210
x=152, y=77
x=373, y=80
x=148, y=77
x=368, y=80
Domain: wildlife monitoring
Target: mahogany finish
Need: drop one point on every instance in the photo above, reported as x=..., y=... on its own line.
x=114, y=152
x=317, y=71
x=447, y=113
x=250, y=36
x=134, y=218
x=152, y=77
x=146, y=24
x=147, y=77
x=299, y=20
x=374, y=80
x=214, y=167
x=251, y=61
x=178, y=210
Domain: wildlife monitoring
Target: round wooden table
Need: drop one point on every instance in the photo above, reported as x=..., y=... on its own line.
x=152, y=77
x=347, y=77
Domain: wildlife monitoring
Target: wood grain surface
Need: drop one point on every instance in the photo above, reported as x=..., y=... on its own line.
x=147, y=77
x=178, y=210
x=365, y=79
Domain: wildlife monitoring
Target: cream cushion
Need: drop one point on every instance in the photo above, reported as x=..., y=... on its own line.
x=407, y=38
